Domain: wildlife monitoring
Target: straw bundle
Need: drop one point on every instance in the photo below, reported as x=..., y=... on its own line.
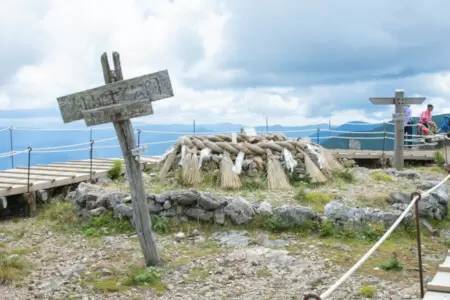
x=313, y=171
x=168, y=163
x=190, y=171
x=228, y=179
x=276, y=178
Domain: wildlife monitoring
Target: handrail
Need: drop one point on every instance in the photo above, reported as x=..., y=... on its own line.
x=366, y=256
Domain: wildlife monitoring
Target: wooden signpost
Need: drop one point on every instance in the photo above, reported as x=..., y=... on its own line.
x=118, y=101
x=399, y=101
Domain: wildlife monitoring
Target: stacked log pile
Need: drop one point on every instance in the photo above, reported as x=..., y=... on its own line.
x=251, y=155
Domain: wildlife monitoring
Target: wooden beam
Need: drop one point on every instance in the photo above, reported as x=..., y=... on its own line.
x=37, y=173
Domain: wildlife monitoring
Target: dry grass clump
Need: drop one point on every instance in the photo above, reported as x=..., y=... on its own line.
x=276, y=178
x=190, y=171
x=228, y=179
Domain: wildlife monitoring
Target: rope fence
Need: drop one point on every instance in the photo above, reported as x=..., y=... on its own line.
x=414, y=202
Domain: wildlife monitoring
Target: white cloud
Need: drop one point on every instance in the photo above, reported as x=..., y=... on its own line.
x=228, y=62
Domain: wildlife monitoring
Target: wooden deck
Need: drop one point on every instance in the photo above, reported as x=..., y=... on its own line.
x=439, y=286
x=416, y=155
x=42, y=177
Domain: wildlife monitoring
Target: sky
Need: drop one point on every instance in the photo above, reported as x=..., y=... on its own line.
x=297, y=62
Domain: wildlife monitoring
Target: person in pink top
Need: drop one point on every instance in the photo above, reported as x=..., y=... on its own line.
x=426, y=124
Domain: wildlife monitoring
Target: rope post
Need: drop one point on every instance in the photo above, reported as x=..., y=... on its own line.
x=384, y=146
x=267, y=124
x=318, y=136
x=11, y=145
x=139, y=137
x=28, y=168
x=419, y=243
x=91, y=154
x=193, y=126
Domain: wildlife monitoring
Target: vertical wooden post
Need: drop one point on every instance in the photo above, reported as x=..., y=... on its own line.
x=399, y=130
x=125, y=134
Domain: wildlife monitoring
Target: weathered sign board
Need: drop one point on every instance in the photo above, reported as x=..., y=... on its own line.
x=132, y=98
x=399, y=100
x=117, y=102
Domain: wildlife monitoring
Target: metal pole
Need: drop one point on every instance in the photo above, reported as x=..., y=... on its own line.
x=318, y=136
x=90, y=134
x=11, y=145
x=91, y=154
x=193, y=126
x=28, y=168
x=139, y=137
x=267, y=125
x=419, y=243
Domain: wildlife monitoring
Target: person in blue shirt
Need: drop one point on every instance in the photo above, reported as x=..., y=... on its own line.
x=445, y=126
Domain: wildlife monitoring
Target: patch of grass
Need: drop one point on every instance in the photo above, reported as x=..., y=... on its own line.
x=439, y=158
x=198, y=274
x=210, y=178
x=160, y=224
x=106, y=224
x=116, y=170
x=300, y=194
x=61, y=216
x=149, y=277
x=392, y=264
x=368, y=291
x=253, y=183
x=315, y=200
x=12, y=267
x=369, y=232
x=263, y=272
x=381, y=176
x=107, y=285
x=345, y=175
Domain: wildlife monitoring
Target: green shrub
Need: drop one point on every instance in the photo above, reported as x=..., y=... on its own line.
x=392, y=264
x=160, y=224
x=373, y=232
x=381, y=176
x=12, y=267
x=61, y=216
x=106, y=224
x=316, y=200
x=346, y=175
x=149, y=276
x=439, y=158
x=253, y=183
x=116, y=170
x=300, y=194
x=368, y=291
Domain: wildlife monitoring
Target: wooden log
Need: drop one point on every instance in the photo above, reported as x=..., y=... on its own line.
x=125, y=135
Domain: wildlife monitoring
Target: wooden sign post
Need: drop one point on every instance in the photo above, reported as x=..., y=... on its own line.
x=399, y=101
x=117, y=102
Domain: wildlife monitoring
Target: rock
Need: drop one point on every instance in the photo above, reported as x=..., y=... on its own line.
x=104, y=181
x=219, y=217
x=264, y=208
x=209, y=201
x=232, y=238
x=239, y=211
x=167, y=205
x=179, y=236
x=86, y=194
x=409, y=174
x=341, y=214
x=292, y=216
x=153, y=206
x=399, y=197
x=97, y=211
x=199, y=214
x=185, y=198
x=171, y=212
x=123, y=211
x=435, y=205
x=42, y=196
x=161, y=199
x=111, y=199
x=3, y=203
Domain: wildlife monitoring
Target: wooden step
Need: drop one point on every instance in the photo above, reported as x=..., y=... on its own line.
x=436, y=296
x=440, y=283
x=445, y=267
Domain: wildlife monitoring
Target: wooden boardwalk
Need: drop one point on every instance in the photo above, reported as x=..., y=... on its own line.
x=416, y=155
x=439, y=286
x=42, y=177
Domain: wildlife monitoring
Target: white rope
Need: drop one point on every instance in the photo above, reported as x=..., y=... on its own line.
x=355, y=137
x=185, y=132
x=60, y=150
x=12, y=153
x=363, y=132
x=4, y=129
x=60, y=129
x=294, y=131
x=75, y=145
x=363, y=259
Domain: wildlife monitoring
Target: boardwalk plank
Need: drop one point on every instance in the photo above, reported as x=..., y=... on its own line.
x=440, y=283
x=445, y=267
x=436, y=296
